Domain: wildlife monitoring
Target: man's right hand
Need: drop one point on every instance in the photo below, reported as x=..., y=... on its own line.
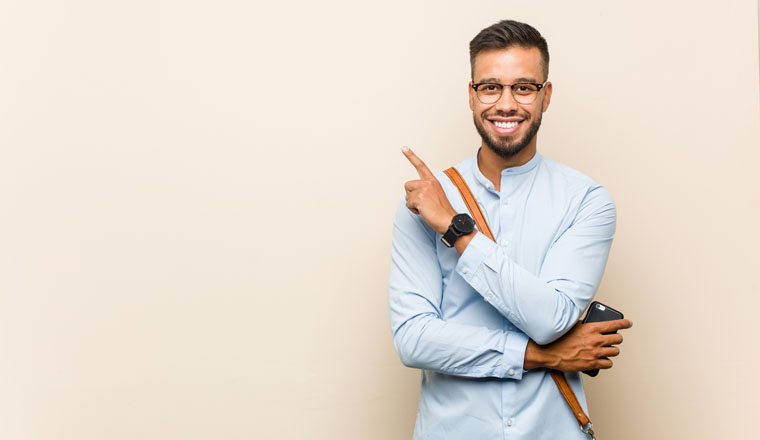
x=584, y=347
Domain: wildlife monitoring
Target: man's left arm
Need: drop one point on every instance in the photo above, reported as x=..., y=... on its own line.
x=545, y=306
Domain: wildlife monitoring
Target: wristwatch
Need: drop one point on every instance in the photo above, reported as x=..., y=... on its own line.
x=461, y=224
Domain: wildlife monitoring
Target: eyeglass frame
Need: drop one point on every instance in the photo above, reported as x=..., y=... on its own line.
x=538, y=86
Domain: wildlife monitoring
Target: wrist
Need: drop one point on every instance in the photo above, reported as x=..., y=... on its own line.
x=535, y=356
x=464, y=241
x=445, y=222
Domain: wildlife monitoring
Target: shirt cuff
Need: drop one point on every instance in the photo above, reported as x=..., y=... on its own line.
x=514, y=355
x=473, y=256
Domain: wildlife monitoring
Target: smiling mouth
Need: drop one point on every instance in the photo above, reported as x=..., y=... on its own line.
x=505, y=124
x=505, y=127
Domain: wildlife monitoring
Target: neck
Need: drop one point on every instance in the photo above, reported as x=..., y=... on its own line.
x=491, y=164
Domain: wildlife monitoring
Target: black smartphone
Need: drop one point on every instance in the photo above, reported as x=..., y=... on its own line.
x=598, y=312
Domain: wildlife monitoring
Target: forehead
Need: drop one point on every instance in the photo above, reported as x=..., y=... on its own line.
x=507, y=65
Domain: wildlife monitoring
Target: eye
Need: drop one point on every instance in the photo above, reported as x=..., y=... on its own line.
x=525, y=89
x=489, y=88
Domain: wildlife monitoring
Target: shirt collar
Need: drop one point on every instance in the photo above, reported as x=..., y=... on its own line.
x=522, y=169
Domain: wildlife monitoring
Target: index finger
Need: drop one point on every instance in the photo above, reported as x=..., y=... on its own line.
x=613, y=326
x=417, y=163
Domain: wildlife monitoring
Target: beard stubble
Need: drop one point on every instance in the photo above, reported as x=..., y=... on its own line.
x=505, y=146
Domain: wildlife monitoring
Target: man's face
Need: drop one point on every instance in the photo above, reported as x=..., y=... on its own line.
x=496, y=122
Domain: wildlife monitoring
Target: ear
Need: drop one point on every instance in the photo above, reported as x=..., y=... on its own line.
x=547, y=95
x=471, y=94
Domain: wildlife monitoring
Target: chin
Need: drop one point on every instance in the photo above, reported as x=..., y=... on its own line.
x=510, y=146
x=506, y=152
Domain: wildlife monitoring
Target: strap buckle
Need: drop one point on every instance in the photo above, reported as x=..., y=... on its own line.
x=588, y=429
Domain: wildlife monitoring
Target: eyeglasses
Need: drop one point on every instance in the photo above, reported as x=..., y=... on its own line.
x=524, y=93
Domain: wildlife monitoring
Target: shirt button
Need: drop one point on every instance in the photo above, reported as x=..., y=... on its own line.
x=505, y=201
x=465, y=270
x=505, y=243
x=509, y=422
x=511, y=372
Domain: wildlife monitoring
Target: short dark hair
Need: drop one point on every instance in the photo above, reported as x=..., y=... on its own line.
x=506, y=34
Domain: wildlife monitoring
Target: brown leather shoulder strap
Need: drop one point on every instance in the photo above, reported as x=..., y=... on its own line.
x=469, y=200
x=569, y=395
x=480, y=220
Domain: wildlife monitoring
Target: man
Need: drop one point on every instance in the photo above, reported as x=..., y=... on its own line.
x=485, y=320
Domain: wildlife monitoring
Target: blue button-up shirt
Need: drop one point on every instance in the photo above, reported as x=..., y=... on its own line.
x=465, y=320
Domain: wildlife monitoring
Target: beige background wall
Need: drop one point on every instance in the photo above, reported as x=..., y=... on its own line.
x=196, y=202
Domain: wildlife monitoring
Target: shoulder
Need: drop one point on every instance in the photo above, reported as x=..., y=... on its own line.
x=572, y=182
x=562, y=172
x=584, y=200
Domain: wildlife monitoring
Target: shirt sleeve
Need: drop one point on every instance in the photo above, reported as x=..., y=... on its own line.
x=423, y=339
x=546, y=305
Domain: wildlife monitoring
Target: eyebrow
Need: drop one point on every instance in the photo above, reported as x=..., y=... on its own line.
x=518, y=80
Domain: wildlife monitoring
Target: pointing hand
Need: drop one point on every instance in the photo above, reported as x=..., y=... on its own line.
x=426, y=197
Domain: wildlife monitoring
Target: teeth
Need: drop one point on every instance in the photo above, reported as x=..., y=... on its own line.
x=505, y=124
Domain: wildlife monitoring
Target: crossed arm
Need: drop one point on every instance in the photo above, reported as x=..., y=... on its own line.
x=424, y=340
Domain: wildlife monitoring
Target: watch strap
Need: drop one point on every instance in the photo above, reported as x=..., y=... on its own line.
x=558, y=376
x=450, y=236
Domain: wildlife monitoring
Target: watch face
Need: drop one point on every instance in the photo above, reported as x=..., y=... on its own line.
x=463, y=223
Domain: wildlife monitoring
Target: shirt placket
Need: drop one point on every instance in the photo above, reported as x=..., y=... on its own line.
x=506, y=216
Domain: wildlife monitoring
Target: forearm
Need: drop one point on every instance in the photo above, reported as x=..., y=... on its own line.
x=534, y=305
x=585, y=347
x=421, y=335
x=546, y=297
x=429, y=343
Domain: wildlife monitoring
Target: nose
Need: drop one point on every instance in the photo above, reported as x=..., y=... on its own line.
x=506, y=102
